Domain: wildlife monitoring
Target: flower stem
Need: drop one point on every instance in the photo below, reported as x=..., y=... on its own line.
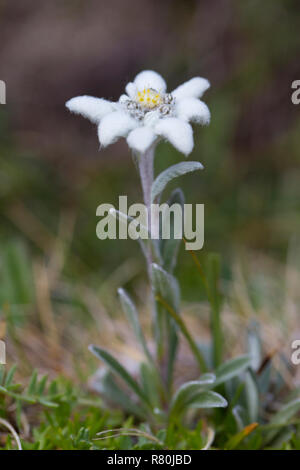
x=146, y=168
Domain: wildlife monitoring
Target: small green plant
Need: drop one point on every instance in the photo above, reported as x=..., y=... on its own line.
x=61, y=416
x=231, y=391
x=145, y=115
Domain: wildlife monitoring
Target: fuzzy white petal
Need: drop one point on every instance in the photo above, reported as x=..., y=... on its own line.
x=89, y=107
x=131, y=90
x=115, y=125
x=151, y=118
x=141, y=139
x=150, y=79
x=193, y=88
x=123, y=99
x=178, y=132
x=191, y=109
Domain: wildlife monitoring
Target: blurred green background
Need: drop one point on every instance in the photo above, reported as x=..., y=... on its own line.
x=52, y=175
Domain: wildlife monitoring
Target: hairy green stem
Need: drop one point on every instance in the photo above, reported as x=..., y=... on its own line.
x=146, y=169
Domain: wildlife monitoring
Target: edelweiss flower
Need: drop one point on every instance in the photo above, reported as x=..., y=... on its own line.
x=147, y=112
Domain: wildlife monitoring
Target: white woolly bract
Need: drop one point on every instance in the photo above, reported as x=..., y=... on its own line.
x=114, y=125
x=193, y=88
x=191, y=109
x=151, y=118
x=150, y=79
x=131, y=90
x=91, y=108
x=178, y=132
x=133, y=117
x=141, y=139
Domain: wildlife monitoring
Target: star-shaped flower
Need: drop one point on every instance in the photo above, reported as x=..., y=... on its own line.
x=147, y=112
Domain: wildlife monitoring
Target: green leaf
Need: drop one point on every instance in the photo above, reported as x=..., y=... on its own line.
x=252, y=396
x=17, y=396
x=185, y=393
x=232, y=368
x=107, y=386
x=170, y=247
x=9, y=376
x=16, y=274
x=254, y=346
x=170, y=173
x=133, y=318
x=264, y=377
x=238, y=413
x=235, y=440
x=208, y=399
x=2, y=373
x=48, y=403
x=180, y=323
x=213, y=279
x=42, y=384
x=166, y=286
x=32, y=383
x=53, y=387
x=149, y=380
x=118, y=369
x=283, y=438
x=282, y=417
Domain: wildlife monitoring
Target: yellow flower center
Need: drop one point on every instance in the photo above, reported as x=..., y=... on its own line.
x=149, y=98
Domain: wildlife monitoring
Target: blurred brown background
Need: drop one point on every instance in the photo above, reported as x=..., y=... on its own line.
x=54, y=50
x=50, y=161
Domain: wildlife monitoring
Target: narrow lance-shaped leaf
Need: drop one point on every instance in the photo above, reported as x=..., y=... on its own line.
x=32, y=383
x=169, y=247
x=194, y=395
x=213, y=275
x=180, y=323
x=150, y=383
x=238, y=413
x=286, y=412
x=188, y=390
x=282, y=417
x=10, y=375
x=173, y=342
x=42, y=384
x=231, y=369
x=166, y=286
x=170, y=173
x=235, y=440
x=208, y=399
x=16, y=275
x=106, y=385
x=254, y=346
x=118, y=369
x=133, y=318
x=252, y=396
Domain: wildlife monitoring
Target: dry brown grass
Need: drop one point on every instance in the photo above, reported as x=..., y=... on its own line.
x=55, y=339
